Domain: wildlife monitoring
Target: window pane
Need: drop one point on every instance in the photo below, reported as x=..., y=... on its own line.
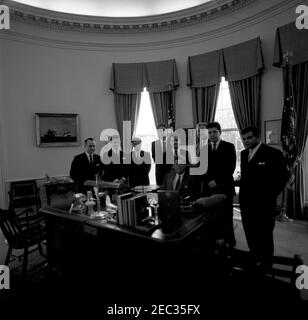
x=224, y=115
x=146, y=129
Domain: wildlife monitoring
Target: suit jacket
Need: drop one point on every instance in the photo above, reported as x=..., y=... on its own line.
x=189, y=186
x=81, y=170
x=138, y=173
x=221, y=165
x=262, y=178
x=116, y=169
x=159, y=157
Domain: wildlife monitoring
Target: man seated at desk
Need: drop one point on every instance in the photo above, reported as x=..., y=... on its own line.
x=189, y=187
x=85, y=166
x=179, y=179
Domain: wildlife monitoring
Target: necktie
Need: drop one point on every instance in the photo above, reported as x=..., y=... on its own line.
x=250, y=155
x=177, y=182
x=214, y=146
x=91, y=159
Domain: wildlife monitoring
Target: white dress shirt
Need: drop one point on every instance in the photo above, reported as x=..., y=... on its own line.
x=253, y=151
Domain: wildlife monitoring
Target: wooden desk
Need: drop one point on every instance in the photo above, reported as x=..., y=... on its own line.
x=115, y=256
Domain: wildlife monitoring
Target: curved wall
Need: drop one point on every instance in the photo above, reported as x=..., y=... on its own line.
x=68, y=71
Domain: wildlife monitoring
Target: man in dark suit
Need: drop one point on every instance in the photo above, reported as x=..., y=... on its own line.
x=159, y=155
x=219, y=177
x=179, y=179
x=85, y=166
x=115, y=168
x=263, y=177
x=141, y=165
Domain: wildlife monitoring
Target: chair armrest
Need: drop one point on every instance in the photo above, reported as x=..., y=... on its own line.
x=27, y=210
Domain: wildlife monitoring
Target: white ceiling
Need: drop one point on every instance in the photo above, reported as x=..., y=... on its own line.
x=114, y=8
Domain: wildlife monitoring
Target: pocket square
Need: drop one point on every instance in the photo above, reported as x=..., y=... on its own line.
x=261, y=163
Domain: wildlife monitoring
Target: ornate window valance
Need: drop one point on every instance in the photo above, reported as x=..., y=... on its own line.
x=243, y=60
x=293, y=42
x=158, y=76
x=237, y=62
x=205, y=70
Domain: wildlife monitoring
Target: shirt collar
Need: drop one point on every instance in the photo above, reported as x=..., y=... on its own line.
x=216, y=143
x=253, y=151
x=88, y=155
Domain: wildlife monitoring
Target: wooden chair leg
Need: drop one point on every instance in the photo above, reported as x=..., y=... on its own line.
x=8, y=256
x=25, y=261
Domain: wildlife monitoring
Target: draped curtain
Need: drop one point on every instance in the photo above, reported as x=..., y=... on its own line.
x=204, y=101
x=296, y=196
x=127, y=109
x=245, y=99
x=203, y=77
x=162, y=81
x=160, y=102
x=128, y=81
x=293, y=42
x=242, y=66
x=243, y=69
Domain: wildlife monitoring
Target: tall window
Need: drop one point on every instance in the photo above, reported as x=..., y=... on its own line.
x=146, y=129
x=224, y=115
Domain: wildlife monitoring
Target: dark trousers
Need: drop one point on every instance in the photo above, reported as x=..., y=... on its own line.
x=258, y=227
x=228, y=222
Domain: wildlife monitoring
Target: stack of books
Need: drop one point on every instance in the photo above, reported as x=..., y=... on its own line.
x=133, y=212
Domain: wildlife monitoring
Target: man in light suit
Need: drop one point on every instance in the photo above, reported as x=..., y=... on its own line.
x=138, y=173
x=85, y=166
x=263, y=176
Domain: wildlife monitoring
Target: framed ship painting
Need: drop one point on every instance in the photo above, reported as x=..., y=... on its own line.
x=57, y=129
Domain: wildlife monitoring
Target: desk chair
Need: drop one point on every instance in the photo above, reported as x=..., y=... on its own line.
x=20, y=235
x=24, y=194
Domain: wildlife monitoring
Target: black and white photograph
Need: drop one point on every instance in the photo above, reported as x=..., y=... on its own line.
x=57, y=130
x=272, y=129
x=154, y=155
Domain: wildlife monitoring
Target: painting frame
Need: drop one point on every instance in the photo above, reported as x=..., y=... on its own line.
x=57, y=130
x=272, y=132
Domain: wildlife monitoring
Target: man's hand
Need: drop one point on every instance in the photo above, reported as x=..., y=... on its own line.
x=212, y=184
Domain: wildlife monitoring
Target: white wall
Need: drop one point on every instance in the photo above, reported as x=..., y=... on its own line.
x=59, y=73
